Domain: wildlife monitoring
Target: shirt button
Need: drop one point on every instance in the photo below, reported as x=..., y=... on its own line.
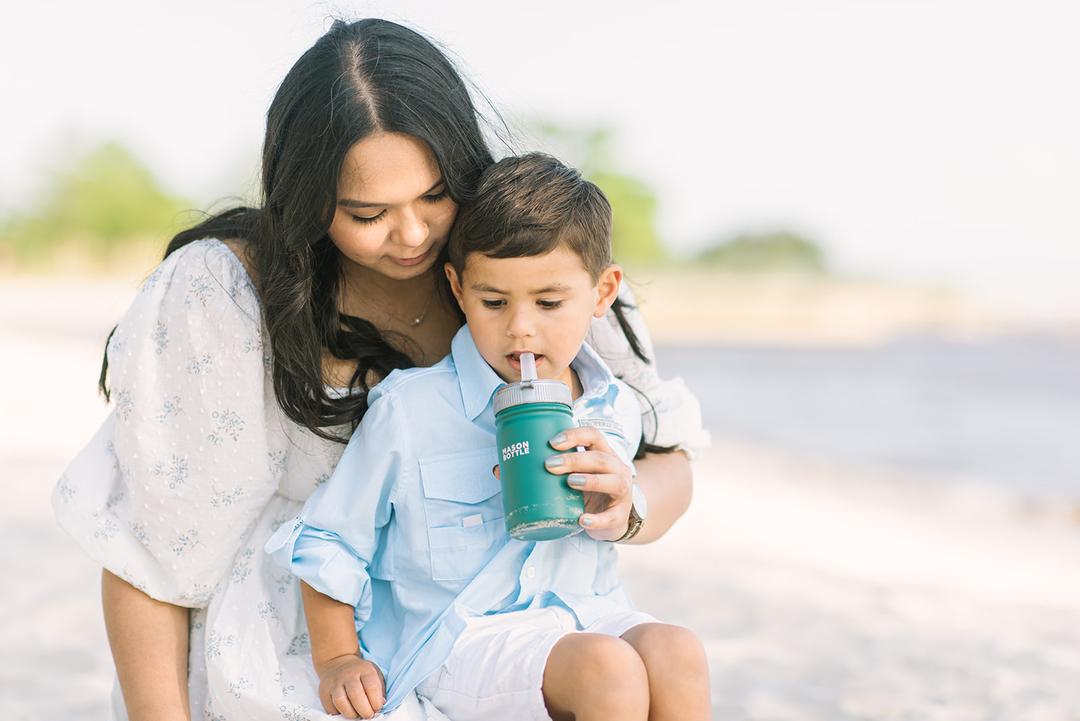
x=530, y=572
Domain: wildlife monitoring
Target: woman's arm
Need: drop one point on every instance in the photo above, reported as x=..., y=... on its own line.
x=667, y=481
x=149, y=642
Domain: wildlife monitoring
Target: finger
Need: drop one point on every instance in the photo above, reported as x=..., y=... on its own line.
x=596, y=502
x=495, y=471
x=358, y=698
x=373, y=685
x=585, y=462
x=586, y=436
x=327, y=700
x=340, y=698
x=610, y=484
x=607, y=525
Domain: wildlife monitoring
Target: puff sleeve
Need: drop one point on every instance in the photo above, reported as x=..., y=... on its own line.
x=167, y=490
x=670, y=413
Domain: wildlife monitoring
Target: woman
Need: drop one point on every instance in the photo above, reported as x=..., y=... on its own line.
x=246, y=358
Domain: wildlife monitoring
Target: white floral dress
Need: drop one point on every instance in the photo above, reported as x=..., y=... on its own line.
x=197, y=465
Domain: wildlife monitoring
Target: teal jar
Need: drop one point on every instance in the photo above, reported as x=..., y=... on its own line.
x=539, y=505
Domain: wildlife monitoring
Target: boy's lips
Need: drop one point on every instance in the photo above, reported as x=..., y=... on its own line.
x=515, y=359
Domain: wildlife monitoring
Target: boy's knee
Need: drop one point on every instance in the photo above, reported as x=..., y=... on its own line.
x=606, y=668
x=664, y=646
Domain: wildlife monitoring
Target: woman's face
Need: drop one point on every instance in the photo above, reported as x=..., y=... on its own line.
x=393, y=214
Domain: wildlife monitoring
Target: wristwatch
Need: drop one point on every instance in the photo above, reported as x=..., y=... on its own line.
x=639, y=509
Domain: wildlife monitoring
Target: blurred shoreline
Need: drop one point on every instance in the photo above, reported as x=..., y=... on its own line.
x=681, y=304
x=687, y=305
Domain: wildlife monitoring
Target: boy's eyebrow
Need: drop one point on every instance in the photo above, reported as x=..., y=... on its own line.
x=553, y=288
x=349, y=203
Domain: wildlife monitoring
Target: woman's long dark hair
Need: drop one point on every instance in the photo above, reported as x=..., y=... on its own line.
x=358, y=79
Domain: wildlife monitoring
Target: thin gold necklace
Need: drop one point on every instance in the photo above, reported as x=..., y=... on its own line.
x=418, y=319
x=427, y=306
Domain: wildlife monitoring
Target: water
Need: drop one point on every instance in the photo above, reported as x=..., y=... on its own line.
x=1001, y=411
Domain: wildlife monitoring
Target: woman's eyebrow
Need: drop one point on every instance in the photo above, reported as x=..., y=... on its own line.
x=350, y=203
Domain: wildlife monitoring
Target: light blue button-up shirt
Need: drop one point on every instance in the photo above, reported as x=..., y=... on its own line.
x=410, y=530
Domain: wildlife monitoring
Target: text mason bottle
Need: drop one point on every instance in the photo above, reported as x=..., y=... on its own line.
x=539, y=506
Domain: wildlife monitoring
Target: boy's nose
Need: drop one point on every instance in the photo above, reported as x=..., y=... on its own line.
x=521, y=326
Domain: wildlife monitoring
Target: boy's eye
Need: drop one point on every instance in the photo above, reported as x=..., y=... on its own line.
x=493, y=303
x=549, y=304
x=372, y=219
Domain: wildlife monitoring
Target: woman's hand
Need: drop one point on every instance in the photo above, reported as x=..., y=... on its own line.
x=601, y=475
x=351, y=686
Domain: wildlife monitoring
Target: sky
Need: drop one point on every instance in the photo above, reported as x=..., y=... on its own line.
x=928, y=141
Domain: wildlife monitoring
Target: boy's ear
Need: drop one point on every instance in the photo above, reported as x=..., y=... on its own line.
x=607, y=289
x=455, y=284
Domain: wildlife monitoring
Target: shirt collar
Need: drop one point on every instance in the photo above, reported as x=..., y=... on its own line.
x=479, y=382
x=592, y=372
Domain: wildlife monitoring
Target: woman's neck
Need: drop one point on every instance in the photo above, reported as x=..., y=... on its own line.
x=394, y=306
x=367, y=294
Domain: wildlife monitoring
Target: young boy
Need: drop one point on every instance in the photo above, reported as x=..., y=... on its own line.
x=410, y=579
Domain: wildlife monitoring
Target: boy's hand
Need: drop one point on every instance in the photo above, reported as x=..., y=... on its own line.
x=351, y=686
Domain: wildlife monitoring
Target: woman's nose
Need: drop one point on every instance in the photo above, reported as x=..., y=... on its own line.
x=413, y=231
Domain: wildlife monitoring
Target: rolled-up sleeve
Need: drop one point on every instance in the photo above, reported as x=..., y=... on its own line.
x=334, y=540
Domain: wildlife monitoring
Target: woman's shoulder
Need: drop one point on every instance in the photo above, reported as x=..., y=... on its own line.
x=242, y=252
x=232, y=255
x=206, y=274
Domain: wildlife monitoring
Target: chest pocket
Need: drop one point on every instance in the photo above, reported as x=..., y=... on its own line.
x=463, y=504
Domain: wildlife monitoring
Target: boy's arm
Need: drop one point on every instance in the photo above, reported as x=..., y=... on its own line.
x=330, y=546
x=336, y=536
x=348, y=684
x=330, y=626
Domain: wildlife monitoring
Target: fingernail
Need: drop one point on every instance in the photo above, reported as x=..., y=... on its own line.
x=576, y=479
x=561, y=438
x=586, y=521
x=555, y=461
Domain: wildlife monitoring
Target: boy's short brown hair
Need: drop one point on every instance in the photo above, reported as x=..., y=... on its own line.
x=529, y=205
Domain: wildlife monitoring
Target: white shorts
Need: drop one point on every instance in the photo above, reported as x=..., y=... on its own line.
x=496, y=669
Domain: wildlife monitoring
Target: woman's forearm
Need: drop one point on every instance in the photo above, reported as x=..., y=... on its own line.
x=149, y=642
x=667, y=481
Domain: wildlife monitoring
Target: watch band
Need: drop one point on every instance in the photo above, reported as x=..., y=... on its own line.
x=634, y=524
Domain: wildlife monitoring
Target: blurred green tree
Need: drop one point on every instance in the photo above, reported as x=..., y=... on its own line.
x=780, y=250
x=633, y=202
x=105, y=198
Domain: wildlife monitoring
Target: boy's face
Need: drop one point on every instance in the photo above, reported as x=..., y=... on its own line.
x=542, y=304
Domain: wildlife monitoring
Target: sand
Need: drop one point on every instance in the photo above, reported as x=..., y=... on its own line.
x=821, y=592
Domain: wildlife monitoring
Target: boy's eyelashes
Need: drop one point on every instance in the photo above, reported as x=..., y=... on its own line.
x=496, y=303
